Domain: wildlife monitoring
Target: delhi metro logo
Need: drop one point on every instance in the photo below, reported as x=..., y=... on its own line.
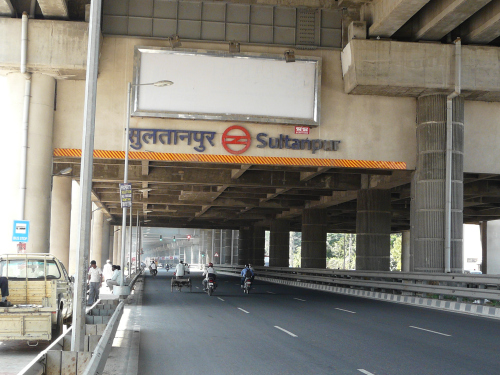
x=238, y=138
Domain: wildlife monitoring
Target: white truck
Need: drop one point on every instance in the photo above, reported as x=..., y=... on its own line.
x=42, y=296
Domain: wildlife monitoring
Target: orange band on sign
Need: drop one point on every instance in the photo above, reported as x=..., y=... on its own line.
x=234, y=159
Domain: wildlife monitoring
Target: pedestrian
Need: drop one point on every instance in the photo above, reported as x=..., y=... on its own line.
x=4, y=287
x=115, y=279
x=107, y=270
x=95, y=282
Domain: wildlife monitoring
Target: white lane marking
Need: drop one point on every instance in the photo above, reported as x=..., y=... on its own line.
x=428, y=330
x=197, y=287
x=298, y=299
x=365, y=372
x=271, y=293
x=243, y=310
x=220, y=299
x=284, y=330
x=352, y=312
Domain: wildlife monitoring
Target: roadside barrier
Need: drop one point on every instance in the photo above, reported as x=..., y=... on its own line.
x=464, y=293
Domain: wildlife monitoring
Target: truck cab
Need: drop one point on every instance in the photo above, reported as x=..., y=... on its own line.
x=42, y=296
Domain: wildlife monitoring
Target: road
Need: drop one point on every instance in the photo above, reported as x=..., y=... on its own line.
x=278, y=329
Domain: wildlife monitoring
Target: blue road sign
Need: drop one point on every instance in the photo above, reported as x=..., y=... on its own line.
x=21, y=231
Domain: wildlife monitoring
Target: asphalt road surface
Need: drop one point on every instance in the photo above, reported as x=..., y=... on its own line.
x=278, y=329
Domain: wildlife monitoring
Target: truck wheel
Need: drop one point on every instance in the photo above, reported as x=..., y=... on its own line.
x=58, y=328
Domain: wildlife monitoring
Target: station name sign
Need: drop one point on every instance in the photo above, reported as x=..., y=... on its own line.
x=235, y=140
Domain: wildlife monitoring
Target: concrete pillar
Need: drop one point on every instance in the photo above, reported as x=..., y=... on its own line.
x=430, y=184
x=226, y=244
x=74, y=232
x=493, y=246
x=114, y=246
x=39, y=161
x=259, y=246
x=60, y=218
x=97, y=237
x=373, y=230
x=105, y=246
x=235, y=243
x=217, y=243
x=405, y=251
x=279, y=243
x=483, y=230
x=245, y=245
x=117, y=245
x=313, y=254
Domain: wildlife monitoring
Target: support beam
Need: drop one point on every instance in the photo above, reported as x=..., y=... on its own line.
x=388, y=16
x=236, y=173
x=54, y=9
x=6, y=9
x=484, y=26
x=306, y=176
x=440, y=17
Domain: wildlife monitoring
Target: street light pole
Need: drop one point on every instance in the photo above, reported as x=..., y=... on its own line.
x=125, y=173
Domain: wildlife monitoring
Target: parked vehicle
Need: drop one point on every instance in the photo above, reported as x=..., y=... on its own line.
x=42, y=296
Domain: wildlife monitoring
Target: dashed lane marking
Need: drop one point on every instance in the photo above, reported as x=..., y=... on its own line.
x=197, y=287
x=220, y=299
x=271, y=293
x=351, y=312
x=288, y=332
x=298, y=299
x=365, y=372
x=428, y=330
x=239, y=308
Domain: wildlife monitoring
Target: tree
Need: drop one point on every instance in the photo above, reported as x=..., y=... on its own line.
x=341, y=250
x=395, y=263
x=295, y=248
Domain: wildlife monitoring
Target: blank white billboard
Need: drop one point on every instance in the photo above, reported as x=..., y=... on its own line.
x=215, y=85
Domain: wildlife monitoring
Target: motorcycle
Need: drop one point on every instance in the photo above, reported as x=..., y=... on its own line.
x=210, y=286
x=152, y=271
x=247, y=285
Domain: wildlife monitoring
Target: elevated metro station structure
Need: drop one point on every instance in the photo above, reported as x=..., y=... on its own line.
x=312, y=116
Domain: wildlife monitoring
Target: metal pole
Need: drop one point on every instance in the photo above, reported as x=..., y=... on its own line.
x=78, y=333
x=130, y=246
x=232, y=249
x=137, y=243
x=125, y=180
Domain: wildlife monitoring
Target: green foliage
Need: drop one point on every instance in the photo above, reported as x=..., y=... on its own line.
x=395, y=264
x=341, y=251
x=295, y=248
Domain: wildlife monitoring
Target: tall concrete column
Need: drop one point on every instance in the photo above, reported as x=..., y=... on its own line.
x=245, y=245
x=313, y=243
x=37, y=191
x=217, y=243
x=483, y=230
x=226, y=244
x=97, y=237
x=235, y=243
x=74, y=232
x=119, y=247
x=60, y=218
x=430, y=184
x=259, y=246
x=114, y=248
x=373, y=230
x=105, y=245
x=405, y=251
x=279, y=243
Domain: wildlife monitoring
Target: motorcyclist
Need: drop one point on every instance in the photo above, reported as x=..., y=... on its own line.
x=179, y=270
x=246, y=272
x=253, y=271
x=152, y=267
x=209, y=273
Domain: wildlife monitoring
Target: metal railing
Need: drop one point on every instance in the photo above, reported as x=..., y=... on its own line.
x=443, y=285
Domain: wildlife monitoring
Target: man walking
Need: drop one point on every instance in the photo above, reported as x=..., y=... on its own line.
x=95, y=282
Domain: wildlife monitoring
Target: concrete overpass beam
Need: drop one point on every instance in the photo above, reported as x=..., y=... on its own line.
x=54, y=9
x=6, y=9
x=60, y=218
x=279, y=241
x=390, y=15
x=373, y=230
x=439, y=17
x=314, y=222
x=428, y=222
x=484, y=26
